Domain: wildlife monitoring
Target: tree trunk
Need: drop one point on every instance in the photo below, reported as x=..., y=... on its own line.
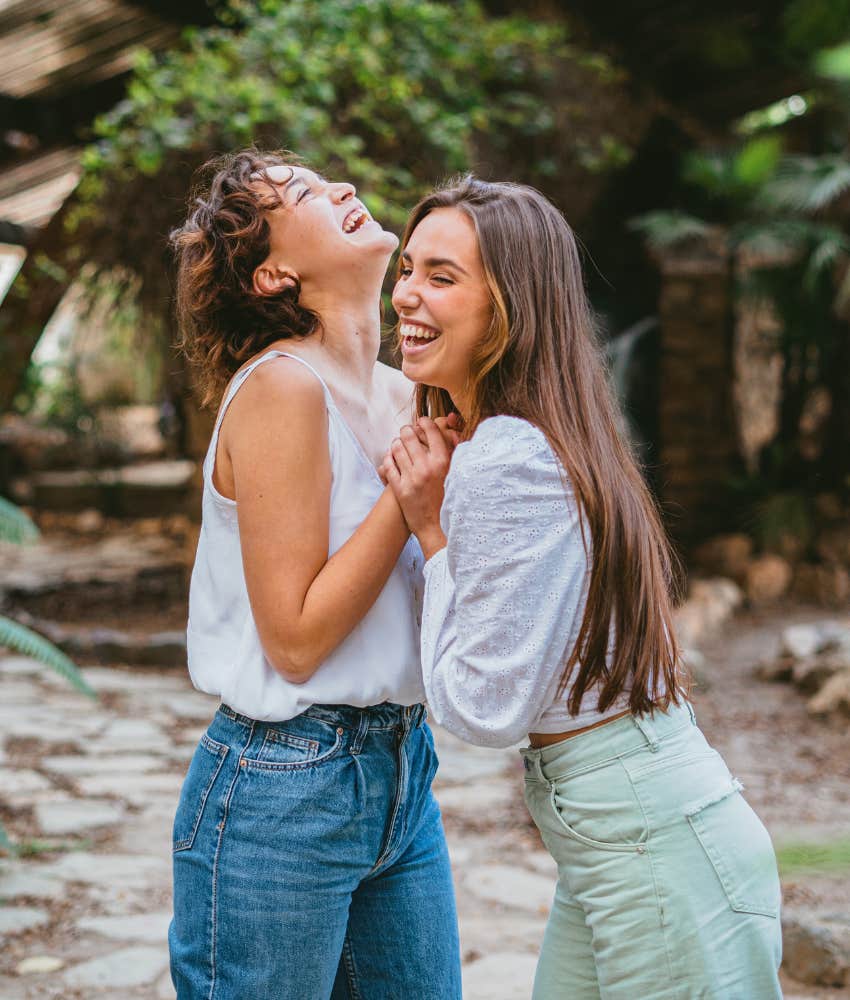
x=44, y=278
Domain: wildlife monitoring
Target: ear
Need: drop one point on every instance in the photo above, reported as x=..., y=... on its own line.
x=272, y=279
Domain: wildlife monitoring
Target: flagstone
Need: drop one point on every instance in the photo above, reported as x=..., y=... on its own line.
x=75, y=816
x=126, y=967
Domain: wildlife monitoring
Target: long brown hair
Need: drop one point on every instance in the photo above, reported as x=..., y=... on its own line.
x=223, y=321
x=540, y=360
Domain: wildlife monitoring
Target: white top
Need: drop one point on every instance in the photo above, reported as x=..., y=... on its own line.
x=378, y=661
x=504, y=600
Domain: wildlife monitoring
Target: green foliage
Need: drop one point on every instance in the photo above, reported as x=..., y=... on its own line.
x=812, y=24
x=23, y=640
x=806, y=184
x=389, y=94
x=665, y=230
x=15, y=526
x=813, y=859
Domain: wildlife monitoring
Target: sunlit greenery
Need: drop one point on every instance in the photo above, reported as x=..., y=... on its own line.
x=391, y=94
x=831, y=857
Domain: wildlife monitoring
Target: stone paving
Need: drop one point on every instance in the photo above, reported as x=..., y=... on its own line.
x=90, y=789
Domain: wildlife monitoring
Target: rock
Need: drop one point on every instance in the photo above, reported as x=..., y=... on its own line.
x=812, y=673
x=38, y=963
x=89, y=522
x=506, y=976
x=833, y=697
x=20, y=786
x=802, y=641
x=481, y=797
x=816, y=950
x=833, y=544
x=510, y=886
x=768, y=578
x=76, y=816
x=725, y=555
x=125, y=968
x=15, y=919
x=778, y=670
x=84, y=764
x=710, y=603
x=828, y=586
x=152, y=928
x=129, y=871
x=137, y=789
x=19, y=882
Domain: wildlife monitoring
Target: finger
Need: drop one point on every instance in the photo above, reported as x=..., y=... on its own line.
x=436, y=442
x=410, y=437
x=401, y=457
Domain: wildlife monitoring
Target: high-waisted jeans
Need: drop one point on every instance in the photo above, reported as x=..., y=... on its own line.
x=310, y=861
x=667, y=882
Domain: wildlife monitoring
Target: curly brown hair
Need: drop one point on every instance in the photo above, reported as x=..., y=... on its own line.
x=222, y=319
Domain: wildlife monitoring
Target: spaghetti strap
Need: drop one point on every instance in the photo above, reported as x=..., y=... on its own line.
x=237, y=381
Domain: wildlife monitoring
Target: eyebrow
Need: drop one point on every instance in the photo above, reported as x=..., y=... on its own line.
x=437, y=262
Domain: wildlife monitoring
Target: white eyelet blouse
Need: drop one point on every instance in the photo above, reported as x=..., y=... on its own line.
x=504, y=600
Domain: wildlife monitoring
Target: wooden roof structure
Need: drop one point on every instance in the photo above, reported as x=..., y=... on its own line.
x=62, y=62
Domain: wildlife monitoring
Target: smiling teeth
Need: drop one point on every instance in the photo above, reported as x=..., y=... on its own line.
x=353, y=220
x=419, y=332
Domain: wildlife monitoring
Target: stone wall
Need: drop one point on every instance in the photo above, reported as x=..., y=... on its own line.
x=698, y=442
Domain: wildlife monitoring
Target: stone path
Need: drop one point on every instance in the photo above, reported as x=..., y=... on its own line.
x=92, y=789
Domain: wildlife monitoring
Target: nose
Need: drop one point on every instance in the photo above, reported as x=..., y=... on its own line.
x=342, y=192
x=405, y=295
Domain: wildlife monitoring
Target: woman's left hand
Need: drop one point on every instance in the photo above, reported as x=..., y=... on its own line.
x=416, y=472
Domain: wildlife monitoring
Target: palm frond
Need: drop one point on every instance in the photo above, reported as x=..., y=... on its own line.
x=15, y=526
x=664, y=230
x=806, y=184
x=18, y=637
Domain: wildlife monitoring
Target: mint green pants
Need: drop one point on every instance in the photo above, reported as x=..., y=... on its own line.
x=667, y=882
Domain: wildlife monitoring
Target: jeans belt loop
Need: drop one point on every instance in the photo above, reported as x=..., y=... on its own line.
x=360, y=735
x=647, y=728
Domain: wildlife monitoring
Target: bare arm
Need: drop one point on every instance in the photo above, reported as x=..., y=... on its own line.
x=304, y=604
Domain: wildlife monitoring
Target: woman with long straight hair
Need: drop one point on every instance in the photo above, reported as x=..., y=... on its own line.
x=547, y=613
x=309, y=856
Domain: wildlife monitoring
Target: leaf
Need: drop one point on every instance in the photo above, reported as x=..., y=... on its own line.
x=15, y=525
x=758, y=160
x=23, y=640
x=664, y=230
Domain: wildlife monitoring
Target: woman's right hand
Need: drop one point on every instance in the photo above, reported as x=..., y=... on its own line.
x=415, y=469
x=448, y=427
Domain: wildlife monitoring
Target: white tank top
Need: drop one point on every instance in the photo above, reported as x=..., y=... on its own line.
x=377, y=662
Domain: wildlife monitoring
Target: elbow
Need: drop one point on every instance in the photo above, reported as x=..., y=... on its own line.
x=294, y=664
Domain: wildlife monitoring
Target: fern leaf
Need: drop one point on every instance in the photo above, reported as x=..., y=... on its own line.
x=15, y=636
x=15, y=526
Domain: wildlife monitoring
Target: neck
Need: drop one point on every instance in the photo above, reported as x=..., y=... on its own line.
x=350, y=337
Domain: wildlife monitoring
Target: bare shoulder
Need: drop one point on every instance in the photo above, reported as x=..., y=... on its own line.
x=279, y=389
x=399, y=387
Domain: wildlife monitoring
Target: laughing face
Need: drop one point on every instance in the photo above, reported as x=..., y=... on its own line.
x=443, y=302
x=320, y=234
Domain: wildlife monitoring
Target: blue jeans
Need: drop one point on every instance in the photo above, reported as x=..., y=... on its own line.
x=310, y=861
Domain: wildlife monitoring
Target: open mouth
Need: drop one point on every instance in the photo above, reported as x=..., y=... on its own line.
x=356, y=219
x=415, y=337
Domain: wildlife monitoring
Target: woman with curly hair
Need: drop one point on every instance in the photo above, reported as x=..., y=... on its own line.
x=309, y=855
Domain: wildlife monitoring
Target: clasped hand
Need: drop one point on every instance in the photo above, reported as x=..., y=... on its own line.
x=415, y=468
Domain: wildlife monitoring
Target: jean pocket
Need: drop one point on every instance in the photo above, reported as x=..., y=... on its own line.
x=739, y=849
x=305, y=742
x=600, y=809
x=203, y=771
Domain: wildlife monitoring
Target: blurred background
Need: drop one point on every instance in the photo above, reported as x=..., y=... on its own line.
x=702, y=154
